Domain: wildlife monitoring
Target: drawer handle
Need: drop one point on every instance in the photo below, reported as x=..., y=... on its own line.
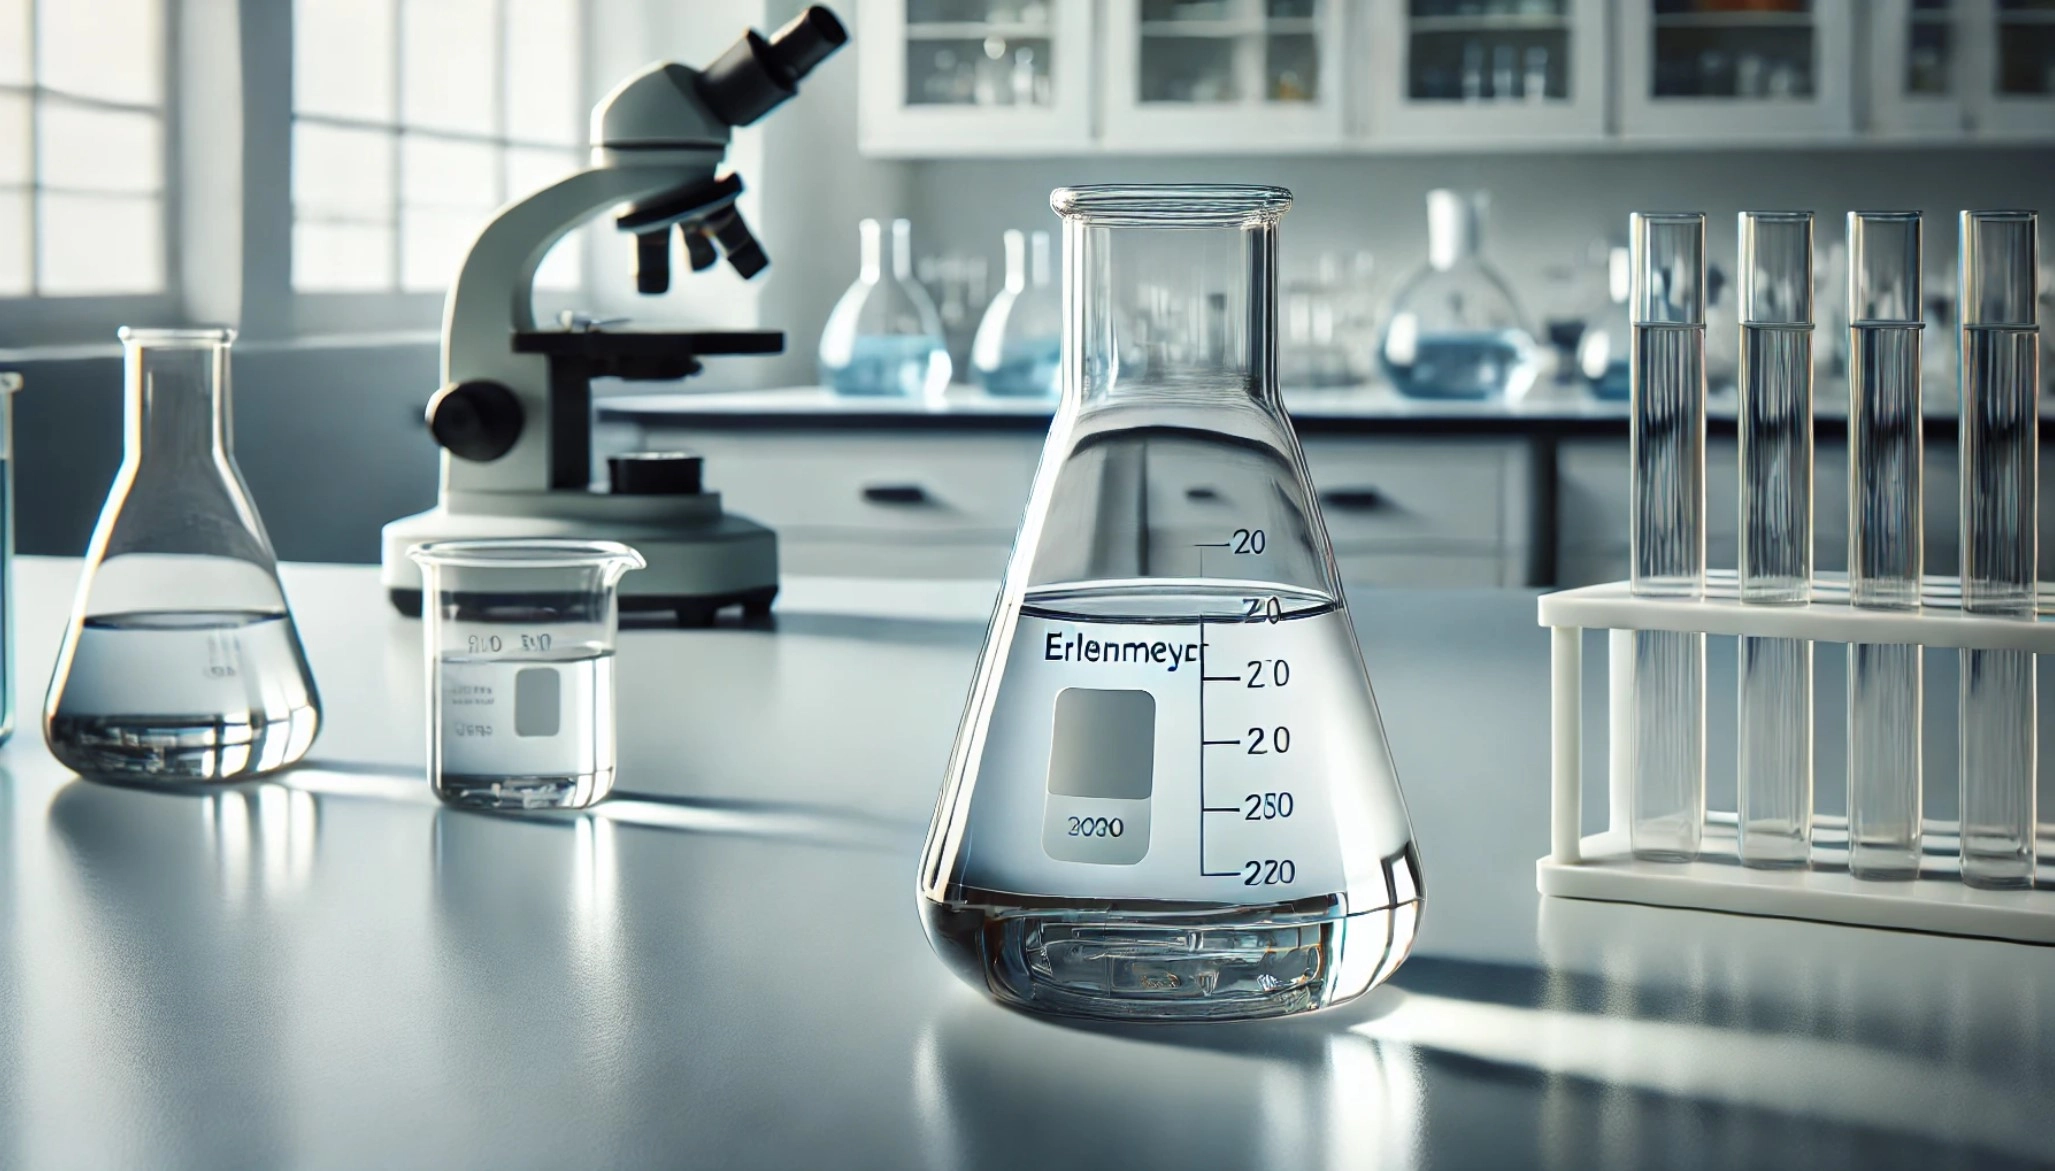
x=1355, y=499
x=896, y=494
x=1202, y=494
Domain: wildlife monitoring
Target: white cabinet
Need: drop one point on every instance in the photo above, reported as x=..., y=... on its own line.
x=974, y=76
x=2011, y=49
x=1919, y=71
x=1213, y=75
x=1445, y=71
x=1736, y=70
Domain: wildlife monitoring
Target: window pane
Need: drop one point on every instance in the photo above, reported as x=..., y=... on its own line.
x=564, y=267
x=343, y=58
x=14, y=42
x=342, y=173
x=100, y=244
x=530, y=169
x=439, y=172
x=432, y=246
x=14, y=139
x=14, y=243
x=342, y=258
x=99, y=150
x=542, y=71
x=447, y=64
x=112, y=49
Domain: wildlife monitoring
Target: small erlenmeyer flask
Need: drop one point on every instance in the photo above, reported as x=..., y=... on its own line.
x=1018, y=342
x=182, y=662
x=1170, y=796
x=884, y=336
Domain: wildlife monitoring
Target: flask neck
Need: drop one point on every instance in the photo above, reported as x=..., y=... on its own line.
x=1455, y=228
x=870, y=252
x=902, y=250
x=1016, y=260
x=177, y=401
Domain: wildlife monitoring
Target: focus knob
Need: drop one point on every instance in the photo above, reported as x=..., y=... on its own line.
x=475, y=420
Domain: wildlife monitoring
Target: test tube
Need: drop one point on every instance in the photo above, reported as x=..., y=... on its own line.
x=2000, y=431
x=1667, y=441
x=1885, y=681
x=1774, y=723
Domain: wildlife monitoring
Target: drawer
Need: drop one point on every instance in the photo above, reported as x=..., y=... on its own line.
x=854, y=482
x=881, y=555
x=1423, y=571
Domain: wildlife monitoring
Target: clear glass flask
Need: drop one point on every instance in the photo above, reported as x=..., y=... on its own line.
x=1170, y=797
x=1602, y=350
x=520, y=641
x=1455, y=329
x=1886, y=682
x=1020, y=336
x=182, y=662
x=884, y=336
x=2000, y=436
x=1666, y=440
x=1774, y=726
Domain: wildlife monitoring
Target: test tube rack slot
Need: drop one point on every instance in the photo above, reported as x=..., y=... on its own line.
x=1602, y=867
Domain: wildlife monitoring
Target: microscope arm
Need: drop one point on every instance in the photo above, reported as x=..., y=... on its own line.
x=493, y=299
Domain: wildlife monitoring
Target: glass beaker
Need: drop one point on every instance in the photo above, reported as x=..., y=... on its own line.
x=1455, y=329
x=884, y=337
x=1170, y=796
x=1021, y=334
x=182, y=662
x=520, y=647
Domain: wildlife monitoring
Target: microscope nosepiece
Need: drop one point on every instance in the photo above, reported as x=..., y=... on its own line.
x=755, y=75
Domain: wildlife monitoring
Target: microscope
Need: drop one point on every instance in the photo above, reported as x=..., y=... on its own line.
x=514, y=414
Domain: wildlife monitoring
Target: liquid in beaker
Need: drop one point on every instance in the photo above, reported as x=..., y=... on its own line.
x=182, y=662
x=520, y=642
x=1170, y=797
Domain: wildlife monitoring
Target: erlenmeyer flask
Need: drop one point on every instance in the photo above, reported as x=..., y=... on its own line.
x=1170, y=795
x=1455, y=330
x=1020, y=339
x=884, y=335
x=182, y=662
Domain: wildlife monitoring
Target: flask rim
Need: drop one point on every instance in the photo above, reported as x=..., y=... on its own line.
x=1171, y=205
x=131, y=335
x=516, y=553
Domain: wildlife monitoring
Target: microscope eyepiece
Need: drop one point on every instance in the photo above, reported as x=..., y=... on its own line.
x=755, y=75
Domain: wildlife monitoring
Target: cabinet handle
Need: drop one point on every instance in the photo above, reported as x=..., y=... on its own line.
x=896, y=494
x=1355, y=499
x=1202, y=493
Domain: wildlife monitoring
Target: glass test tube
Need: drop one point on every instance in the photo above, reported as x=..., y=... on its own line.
x=1667, y=305
x=2000, y=431
x=1774, y=725
x=1885, y=681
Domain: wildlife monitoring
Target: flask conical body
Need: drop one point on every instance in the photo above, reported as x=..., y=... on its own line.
x=1170, y=796
x=884, y=336
x=182, y=662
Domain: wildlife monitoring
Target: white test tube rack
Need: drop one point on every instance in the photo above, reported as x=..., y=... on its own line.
x=1603, y=867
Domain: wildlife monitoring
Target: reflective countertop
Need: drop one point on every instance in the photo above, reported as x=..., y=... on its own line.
x=722, y=967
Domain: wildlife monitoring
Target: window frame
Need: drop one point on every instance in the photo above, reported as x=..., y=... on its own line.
x=396, y=308
x=35, y=319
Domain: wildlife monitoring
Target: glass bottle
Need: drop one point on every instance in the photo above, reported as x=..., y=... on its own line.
x=884, y=336
x=1170, y=796
x=181, y=663
x=1455, y=330
x=1016, y=346
x=1607, y=340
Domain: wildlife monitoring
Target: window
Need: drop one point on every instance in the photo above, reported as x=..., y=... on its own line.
x=82, y=148
x=412, y=121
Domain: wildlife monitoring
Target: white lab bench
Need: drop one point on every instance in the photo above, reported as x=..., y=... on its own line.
x=723, y=967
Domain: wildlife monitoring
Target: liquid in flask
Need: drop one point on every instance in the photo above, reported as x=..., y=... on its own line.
x=1170, y=796
x=181, y=662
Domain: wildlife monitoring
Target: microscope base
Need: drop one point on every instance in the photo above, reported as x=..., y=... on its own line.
x=701, y=560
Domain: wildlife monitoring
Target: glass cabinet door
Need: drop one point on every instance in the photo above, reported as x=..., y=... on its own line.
x=2017, y=98
x=1233, y=74
x=1917, y=75
x=974, y=76
x=1482, y=71
x=1736, y=69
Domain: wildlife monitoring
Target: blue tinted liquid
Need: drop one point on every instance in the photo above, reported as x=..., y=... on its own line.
x=1615, y=384
x=1026, y=368
x=1465, y=365
x=897, y=365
